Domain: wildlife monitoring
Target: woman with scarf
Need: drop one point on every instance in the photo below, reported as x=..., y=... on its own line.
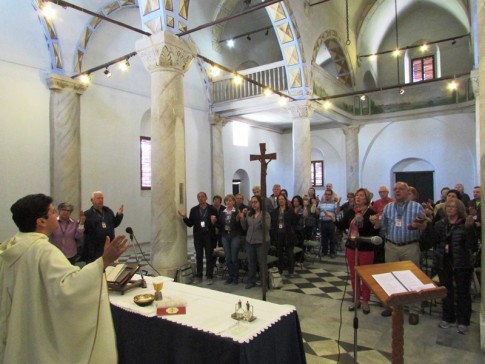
x=357, y=222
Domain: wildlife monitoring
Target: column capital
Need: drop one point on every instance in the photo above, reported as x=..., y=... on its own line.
x=475, y=78
x=57, y=82
x=216, y=119
x=301, y=109
x=351, y=129
x=165, y=51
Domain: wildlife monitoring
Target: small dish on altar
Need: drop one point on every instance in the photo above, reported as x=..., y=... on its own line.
x=144, y=299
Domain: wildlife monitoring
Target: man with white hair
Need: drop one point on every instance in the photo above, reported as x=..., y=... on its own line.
x=100, y=222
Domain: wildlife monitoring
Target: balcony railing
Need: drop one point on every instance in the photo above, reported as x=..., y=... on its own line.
x=415, y=96
x=272, y=75
x=410, y=97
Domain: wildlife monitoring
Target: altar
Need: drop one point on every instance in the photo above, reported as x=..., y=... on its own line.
x=206, y=333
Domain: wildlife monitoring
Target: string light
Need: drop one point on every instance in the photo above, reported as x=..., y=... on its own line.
x=48, y=11
x=85, y=79
x=237, y=80
x=452, y=85
x=215, y=71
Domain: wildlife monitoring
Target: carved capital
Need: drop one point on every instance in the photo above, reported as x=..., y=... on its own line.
x=301, y=109
x=58, y=83
x=217, y=120
x=351, y=130
x=165, y=51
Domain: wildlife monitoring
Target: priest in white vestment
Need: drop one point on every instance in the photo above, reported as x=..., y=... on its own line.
x=50, y=310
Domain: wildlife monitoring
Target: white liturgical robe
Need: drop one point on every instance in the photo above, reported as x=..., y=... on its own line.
x=50, y=310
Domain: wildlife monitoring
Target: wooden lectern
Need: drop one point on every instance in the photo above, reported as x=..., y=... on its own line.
x=397, y=301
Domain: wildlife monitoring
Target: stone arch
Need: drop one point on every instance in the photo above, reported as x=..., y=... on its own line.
x=339, y=55
x=51, y=38
x=288, y=36
x=369, y=81
x=245, y=185
x=92, y=25
x=412, y=164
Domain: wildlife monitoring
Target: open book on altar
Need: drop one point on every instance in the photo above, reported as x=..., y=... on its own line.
x=400, y=282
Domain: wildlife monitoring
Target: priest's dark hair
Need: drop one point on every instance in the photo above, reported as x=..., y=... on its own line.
x=28, y=209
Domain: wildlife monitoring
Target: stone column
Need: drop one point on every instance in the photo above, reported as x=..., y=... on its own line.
x=479, y=89
x=65, y=145
x=301, y=112
x=352, y=156
x=167, y=58
x=217, y=123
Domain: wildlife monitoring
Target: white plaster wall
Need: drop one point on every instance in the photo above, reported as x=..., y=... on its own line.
x=24, y=138
x=237, y=157
x=110, y=152
x=445, y=142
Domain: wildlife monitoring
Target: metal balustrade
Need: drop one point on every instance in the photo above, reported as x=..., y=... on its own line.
x=416, y=95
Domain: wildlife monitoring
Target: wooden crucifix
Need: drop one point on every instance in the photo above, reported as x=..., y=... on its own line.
x=264, y=164
x=264, y=160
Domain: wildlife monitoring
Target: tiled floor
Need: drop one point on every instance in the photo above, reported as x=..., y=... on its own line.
x=320, y=292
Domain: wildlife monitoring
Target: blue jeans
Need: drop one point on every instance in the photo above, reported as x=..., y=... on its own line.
x=231, y=250
x=327, y=235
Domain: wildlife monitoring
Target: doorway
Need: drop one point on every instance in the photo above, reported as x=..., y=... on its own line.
x=423, y=181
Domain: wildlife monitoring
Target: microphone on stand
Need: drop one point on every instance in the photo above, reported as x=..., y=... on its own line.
x=374, y=240
x=129, y=230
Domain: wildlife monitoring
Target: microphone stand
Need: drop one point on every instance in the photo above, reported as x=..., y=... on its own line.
x=143, y=282
x=356, y=318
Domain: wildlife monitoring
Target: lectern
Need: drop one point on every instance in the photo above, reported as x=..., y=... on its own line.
x=398, y=300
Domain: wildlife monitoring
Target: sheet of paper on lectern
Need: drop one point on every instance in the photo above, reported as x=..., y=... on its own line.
x=400, y=282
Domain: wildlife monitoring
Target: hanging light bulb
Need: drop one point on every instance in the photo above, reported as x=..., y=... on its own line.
x=107, y=72
x=402, y=91
x=362, y=98
x=230, y=43
x=396, y=52
x=424, y=47
x=373, y=57
x=267, y=91
x=48, y=11
x=327, y=104
x=123, y=66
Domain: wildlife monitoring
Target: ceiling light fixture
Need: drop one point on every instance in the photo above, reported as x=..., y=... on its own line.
x=248, y=37
x=267, y=32
x=107, y=72
x=402, y=91
x=230, y=43
x=327, y=105
x=453, y=42
x=85, y=79
x=362, y=98
x=424, y=47
x=396, y=52
x=267, y=91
